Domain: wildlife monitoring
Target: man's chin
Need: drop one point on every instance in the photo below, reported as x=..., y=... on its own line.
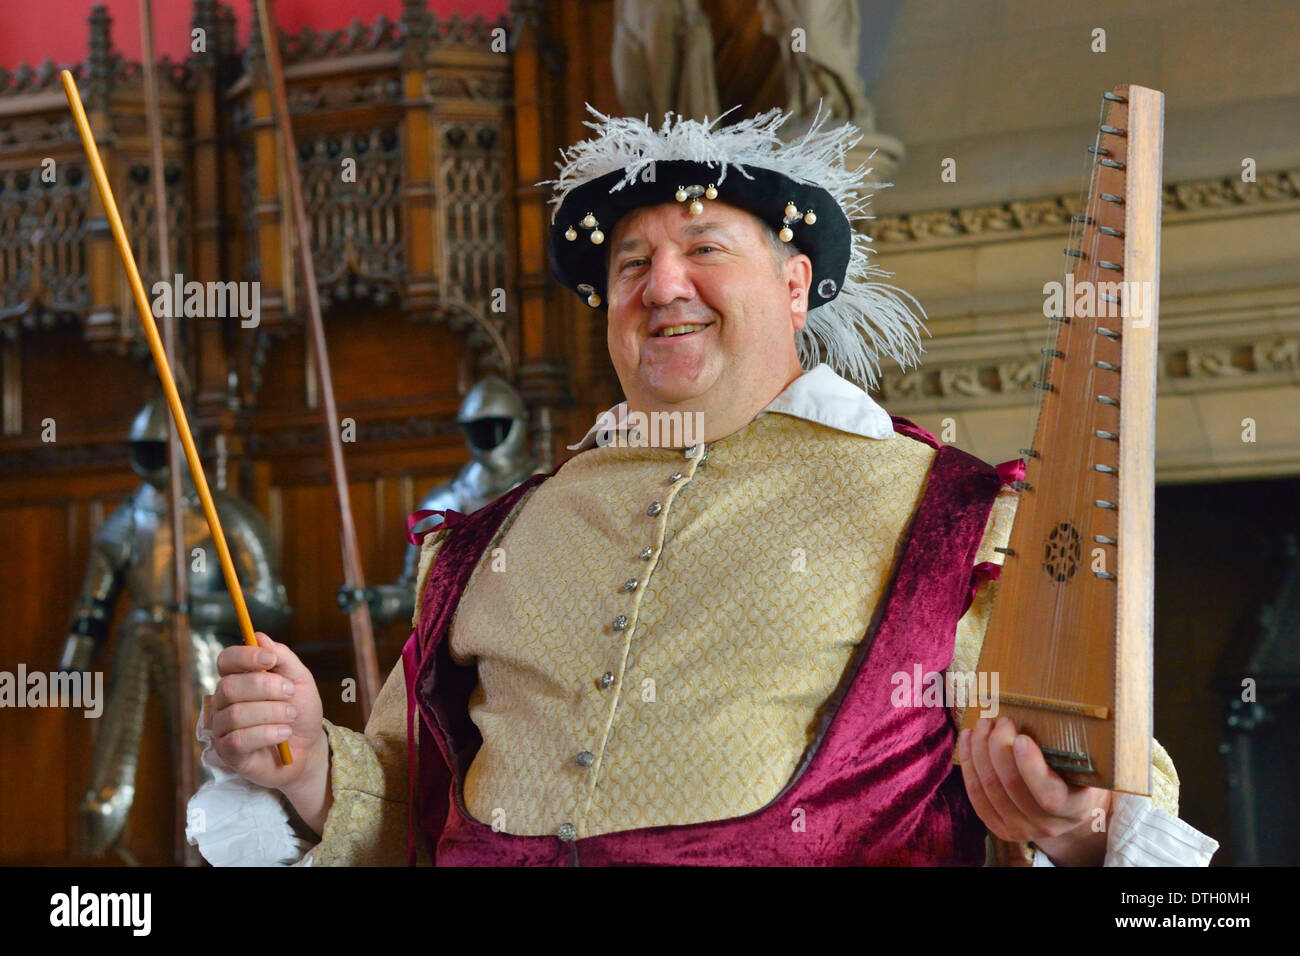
x=673, y=395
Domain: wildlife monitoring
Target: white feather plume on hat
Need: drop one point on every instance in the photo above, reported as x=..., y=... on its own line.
x=867, y=320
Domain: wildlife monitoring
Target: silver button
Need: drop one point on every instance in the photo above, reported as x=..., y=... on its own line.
x=630, y=584
x=646, y=553
x=567, y=832
x=585, y=759
x=620, y=623
x=654, y=509
x=692, y=451
x=676, y=476
x=606, y=680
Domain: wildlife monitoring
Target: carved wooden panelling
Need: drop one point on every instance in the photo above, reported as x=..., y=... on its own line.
x=139, y=210
x=42, y=243
x=471, y=178
x=354, y=211
x=252, y=267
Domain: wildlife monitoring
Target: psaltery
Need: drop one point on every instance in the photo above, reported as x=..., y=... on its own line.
x=1070, y=632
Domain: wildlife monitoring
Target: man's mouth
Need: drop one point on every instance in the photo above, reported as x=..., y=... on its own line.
x=673, y=331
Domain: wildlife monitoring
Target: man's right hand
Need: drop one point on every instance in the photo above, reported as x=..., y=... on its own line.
x=266, y=696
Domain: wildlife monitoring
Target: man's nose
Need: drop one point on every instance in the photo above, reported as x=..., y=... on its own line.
x=667, y=280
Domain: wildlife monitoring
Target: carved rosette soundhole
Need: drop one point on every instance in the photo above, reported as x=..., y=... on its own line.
x=1062, y=552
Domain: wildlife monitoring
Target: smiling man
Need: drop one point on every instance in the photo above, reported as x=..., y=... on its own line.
x=692, y=328
x=688, y=655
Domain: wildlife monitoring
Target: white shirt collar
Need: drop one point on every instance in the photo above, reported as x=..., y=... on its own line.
x=819, y=395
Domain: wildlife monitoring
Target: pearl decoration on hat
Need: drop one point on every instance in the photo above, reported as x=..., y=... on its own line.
x=587, y=222
x=793, y=215
x=693, y=193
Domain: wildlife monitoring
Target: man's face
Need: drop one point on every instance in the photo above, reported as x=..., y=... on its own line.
x=668, y=268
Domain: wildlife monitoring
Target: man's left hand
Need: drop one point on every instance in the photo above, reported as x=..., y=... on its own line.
x=1021, y=799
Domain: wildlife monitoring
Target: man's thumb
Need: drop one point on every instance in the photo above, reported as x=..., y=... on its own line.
x=287, y=663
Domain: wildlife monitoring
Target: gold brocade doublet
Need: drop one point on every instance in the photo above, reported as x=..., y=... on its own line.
x=659, y=632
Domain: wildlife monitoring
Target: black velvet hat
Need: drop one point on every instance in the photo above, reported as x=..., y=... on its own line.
x=801, y=189
x=802, y=213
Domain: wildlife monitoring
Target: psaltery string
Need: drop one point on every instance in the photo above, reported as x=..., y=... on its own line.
x=1075, y=431
x=1078, y=425
x=1088, y=482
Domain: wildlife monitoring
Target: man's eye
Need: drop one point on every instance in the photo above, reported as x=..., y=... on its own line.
x=629, y=263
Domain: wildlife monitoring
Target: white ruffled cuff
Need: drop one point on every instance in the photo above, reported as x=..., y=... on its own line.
x=237, y=823
x=1141, y=834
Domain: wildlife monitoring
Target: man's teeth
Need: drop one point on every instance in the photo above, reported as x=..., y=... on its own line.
x=678, y=330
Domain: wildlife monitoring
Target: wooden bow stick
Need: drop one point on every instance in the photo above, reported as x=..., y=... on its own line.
x=164, y=371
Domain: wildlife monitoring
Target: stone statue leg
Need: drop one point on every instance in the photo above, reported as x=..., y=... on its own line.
x=662, y=59
x=111, y=792
x=697, y=86
x=632, y=78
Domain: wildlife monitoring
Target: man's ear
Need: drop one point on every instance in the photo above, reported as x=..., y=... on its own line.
x=797, y=273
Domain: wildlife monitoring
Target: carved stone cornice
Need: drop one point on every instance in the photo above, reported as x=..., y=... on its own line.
x=1194, y=199
x=1247, y=362
x=1244, y=362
